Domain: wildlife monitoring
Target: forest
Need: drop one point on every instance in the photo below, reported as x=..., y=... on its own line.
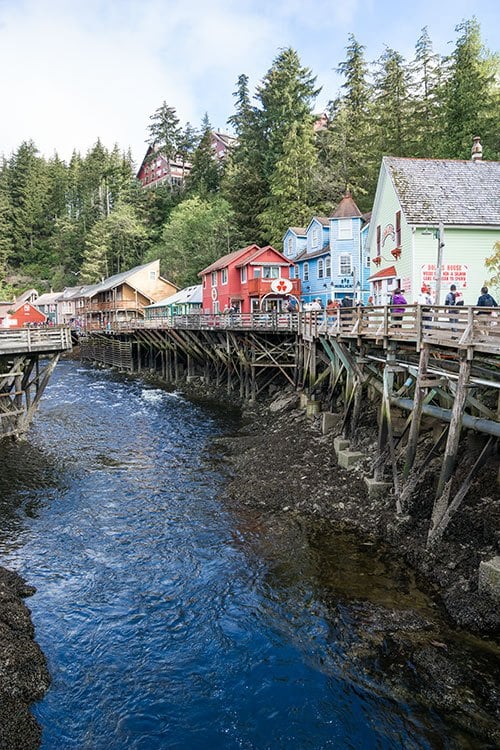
x=72, y=223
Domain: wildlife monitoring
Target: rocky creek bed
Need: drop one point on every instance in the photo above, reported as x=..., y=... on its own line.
x=280, y=463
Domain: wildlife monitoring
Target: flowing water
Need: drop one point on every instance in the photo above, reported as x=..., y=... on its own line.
x=171, y=620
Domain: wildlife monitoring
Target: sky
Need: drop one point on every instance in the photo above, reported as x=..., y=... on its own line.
x=73, y=71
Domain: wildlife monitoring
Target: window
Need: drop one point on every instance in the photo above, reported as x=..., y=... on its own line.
x=243, y=274
x=345, y=229
x=204, y=282
x=214, y=278
x=256, y=273
x=345, y=265
x=223, y=276
x=379, y=239
x=271, y=272
x=398, y=228
x=314, y=237
x=306, y=272
x=328, y=266
x=367, y=261
x=290, y=245
x=320, y=268
x=152, y=275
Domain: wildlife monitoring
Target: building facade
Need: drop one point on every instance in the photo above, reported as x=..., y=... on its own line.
x=426, y=206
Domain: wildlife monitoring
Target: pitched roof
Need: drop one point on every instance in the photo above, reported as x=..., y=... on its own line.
x=259, y=251
x=449, y=191
x=316, y=254
x=298, y=230
x=191, y=294
x=347, y=208
x=384, y=273
x=112, y=281
x=48, y=298
x=227, y=259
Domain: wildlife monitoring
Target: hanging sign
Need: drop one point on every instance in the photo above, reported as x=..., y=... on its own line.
x=281, y=286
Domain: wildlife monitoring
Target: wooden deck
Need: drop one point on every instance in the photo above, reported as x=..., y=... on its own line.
x=35, y=340
x=459, y=328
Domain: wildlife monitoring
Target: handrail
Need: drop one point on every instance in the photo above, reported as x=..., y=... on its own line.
x=35, y=339
x=455, y=327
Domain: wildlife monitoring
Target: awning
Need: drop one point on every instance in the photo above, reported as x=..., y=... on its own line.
x=384, y=273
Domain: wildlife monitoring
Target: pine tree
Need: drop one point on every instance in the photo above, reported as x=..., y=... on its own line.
x=243, y=184
x=95, y=263
x=392, y=104
x=346, y=148
x=165, y=131
x=5, y=225
x=471, y=95
x=291, y=184
x=204, y=178
x=427, y=113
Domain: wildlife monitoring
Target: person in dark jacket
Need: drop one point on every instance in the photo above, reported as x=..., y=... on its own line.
x=486, y=300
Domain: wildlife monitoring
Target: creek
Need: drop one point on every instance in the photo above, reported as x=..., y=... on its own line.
x=172, y=620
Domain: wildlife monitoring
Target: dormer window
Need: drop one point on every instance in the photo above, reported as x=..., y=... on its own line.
x=290, y=245
x=314, y=237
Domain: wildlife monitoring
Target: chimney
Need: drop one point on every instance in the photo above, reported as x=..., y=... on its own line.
x=477, y=149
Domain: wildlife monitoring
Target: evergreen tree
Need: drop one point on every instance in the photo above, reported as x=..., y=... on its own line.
x=204, y=177
x=28, y=197
x=165, y=131
x=243, y=184
x=471, y=95
x=125, y=238
x=290, y=185
x=346, y=148
x=427, y=113
x=95, y=264
x=187, y=144
x=392, y=110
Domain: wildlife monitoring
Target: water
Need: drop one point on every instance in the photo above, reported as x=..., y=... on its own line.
x=171, y=620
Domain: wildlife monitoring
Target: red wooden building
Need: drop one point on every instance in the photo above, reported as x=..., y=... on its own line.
x=252, y=279
x=22, y=315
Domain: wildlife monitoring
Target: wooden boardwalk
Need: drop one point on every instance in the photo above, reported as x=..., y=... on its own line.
x=27, y=359
x=438, y=366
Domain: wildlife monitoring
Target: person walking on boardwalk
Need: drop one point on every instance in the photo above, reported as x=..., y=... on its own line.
x=424, y=299
x=398, y=307
x=451, y=300
x=486, y=300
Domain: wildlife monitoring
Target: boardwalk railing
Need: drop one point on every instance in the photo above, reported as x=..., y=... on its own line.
x=456, y=327
x=36, y=340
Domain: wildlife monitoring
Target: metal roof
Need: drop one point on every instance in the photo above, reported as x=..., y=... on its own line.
x=191, y=294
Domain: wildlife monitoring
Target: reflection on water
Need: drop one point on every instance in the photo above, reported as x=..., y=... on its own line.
x=173, y=621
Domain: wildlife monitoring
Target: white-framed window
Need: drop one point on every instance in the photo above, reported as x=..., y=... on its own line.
x=271, y=272
x=152, y=275
x=290, y=245
x=305, y=272
x=223, y=276
x=328, y=266
x=321, y=268
x=345, y=264
x=243, y=274
x=257, y=271
x=345, y=229
x=214, y=278
x=314, y=237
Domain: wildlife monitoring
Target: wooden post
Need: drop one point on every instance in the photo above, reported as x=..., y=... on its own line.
x=418, y=400
x=450, y=452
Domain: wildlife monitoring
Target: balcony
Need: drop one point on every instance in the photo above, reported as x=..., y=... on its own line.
x=260, y=287
x=94, y=306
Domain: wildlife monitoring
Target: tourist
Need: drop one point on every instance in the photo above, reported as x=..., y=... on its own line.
x=486, y=300
x=424, y=300
x=398, y=307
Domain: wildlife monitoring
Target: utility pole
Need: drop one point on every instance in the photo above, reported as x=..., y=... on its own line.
x=439, y=262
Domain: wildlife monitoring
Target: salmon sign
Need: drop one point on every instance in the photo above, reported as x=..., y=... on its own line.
x=451, y=273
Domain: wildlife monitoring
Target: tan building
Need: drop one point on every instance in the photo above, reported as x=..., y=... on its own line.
x=121, y=298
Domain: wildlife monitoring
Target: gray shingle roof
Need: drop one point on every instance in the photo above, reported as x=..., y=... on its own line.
x=448, y=191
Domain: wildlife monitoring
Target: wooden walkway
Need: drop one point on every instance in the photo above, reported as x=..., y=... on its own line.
x=27, y=359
